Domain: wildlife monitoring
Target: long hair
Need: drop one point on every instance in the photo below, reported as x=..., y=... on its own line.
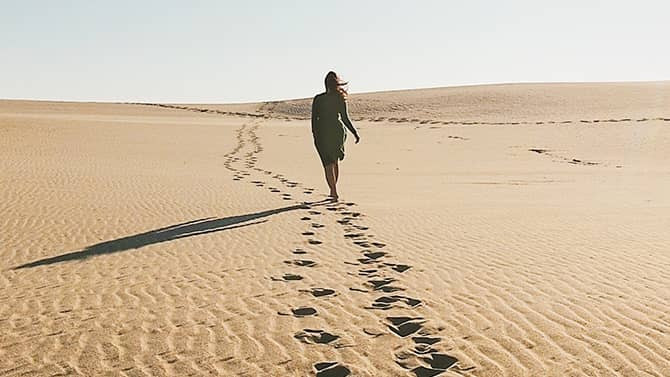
x=336, y=85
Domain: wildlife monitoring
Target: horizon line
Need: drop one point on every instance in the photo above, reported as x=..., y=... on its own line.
x=356, y=93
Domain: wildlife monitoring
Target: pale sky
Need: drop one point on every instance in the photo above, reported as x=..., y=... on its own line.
x=236, y=51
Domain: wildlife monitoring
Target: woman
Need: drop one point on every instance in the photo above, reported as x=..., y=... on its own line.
x=329, y=117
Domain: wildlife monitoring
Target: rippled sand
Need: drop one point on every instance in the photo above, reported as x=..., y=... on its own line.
x=512, y=230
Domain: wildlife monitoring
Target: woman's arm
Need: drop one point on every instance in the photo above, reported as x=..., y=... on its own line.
x=347, y=122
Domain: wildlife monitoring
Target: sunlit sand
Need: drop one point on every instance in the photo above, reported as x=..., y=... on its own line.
x=502, y=230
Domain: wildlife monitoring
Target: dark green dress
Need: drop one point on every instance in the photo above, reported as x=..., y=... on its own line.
x=329, y=117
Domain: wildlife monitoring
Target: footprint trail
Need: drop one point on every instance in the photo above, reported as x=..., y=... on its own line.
x=372, y=265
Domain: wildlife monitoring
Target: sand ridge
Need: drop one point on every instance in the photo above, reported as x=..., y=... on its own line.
x=499, y=104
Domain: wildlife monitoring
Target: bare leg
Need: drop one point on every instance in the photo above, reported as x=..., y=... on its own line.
x=330, y=179
x=337, y=171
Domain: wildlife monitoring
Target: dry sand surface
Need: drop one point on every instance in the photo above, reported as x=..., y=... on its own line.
x=508, y=230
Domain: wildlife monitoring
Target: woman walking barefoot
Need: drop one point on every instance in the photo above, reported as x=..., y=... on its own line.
x=329, y=117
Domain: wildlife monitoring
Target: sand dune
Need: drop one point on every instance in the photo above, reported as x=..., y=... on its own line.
x=194, y=239
x=490, y=104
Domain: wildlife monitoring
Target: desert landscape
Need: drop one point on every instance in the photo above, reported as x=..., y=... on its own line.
x=492, y=230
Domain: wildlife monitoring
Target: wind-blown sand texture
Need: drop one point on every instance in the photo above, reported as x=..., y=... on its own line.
x=506, y=230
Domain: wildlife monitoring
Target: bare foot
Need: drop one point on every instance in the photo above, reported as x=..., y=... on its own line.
x=334, y=197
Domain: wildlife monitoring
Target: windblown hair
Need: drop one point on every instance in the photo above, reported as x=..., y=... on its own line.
x=336, y=85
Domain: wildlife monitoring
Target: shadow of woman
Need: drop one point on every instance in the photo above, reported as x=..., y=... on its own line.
x=169, y=233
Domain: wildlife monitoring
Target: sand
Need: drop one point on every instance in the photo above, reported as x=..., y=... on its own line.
x=506, y=230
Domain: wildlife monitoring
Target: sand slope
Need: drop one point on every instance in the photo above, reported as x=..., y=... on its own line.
x=494, y=104
x=143, y=240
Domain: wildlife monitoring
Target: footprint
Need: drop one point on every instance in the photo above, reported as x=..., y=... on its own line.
x=314, y=212
x=299, y=251
x=378, y=244
x=314, y=242
x=374, y=255
x=426, y=372
x=331, y=369
x=426, y=340
x=302, y=312
x=398, y=267
x=386, y=302
x=354, y=235
x=320, y=292
x=380, y=283
x=366, y=260
x=379, y=306
x=301, y=262
x=307, y=233
x=305, y=218
x=309, y=336
x=317, y=225
x=383, y=285
x=440, y=361
x=368, y=272
x=288, y=277
x=404, y=326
